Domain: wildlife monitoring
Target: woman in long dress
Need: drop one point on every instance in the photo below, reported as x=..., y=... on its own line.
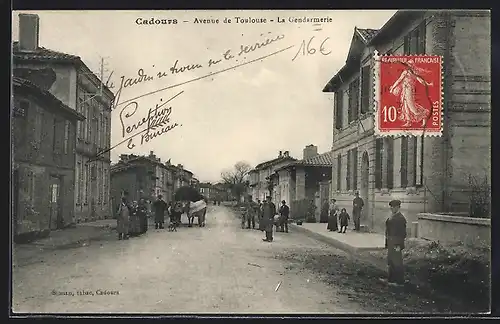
x=332, y=217
x=122, y=221
x=404, y=87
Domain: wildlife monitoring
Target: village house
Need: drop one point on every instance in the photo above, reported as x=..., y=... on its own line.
x=43, y=145
x=307, y=180
x=259, y=177
x=426, y=174
x=147, y=177
x=80, y=89
x=211, y=191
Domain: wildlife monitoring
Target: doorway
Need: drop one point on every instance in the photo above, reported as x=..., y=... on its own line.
x=364, y=192
x=55, y=218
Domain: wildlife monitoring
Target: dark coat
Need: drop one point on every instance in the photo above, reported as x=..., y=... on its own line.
x=159, y=207
x=395, y=231
x=344, y=219
x=268, y=212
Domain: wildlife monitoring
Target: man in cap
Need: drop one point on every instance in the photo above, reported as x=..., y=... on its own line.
x=395, y=235
x=357, y=206
x=268, y=212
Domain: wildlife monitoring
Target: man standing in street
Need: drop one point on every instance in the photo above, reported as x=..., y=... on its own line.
x=159, y=207
x=268, y=212
x=357, y=206
x=250, y=213
x=284, y=213
x=395, y=235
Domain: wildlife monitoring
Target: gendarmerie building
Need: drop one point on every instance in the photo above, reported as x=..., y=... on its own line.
x=428, y=174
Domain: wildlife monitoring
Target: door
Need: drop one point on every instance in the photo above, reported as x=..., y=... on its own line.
x=364, y=192
x=55, y=220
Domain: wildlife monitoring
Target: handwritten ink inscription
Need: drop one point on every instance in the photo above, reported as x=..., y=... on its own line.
x=310, y=50
x=151, y=125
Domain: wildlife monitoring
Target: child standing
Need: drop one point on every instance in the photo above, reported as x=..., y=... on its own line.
x=344, y=220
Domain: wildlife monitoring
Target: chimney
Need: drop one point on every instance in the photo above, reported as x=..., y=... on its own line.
x=123, y=157
x=286, y=154
x=310, y=151
x=180, y=166
x=281, y=154
x=28, y=32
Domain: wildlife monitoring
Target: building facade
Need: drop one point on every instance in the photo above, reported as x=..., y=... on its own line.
x=428, y=174
x=143, y=176
x=260, y=180
x=306, y=179
x=44, y=153
x=81, y=90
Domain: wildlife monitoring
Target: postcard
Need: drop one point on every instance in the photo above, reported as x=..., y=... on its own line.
x=251, y=162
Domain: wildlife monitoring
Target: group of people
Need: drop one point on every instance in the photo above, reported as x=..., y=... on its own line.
x=265, y=213
x=338, y=216
x=132, y=217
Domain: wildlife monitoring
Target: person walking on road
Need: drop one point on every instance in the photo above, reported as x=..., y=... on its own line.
x=357, y=206
x=142, y=212
x=259, y=215
x=344, y=220
x=284, y=213
x=268, y=212
x=159, y=206
x=332, y=216
x=250, y=213
x=395, y=235
x=122, y=220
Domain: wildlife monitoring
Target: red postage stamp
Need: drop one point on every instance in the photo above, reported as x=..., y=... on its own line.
x=408, y=95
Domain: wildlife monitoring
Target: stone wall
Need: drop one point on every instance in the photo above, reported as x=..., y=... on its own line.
x=451, y=229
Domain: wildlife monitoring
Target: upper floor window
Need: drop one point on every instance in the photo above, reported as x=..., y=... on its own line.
x=379, y=147
x=338, y=108
x=339, y=172
x=365, y=89
x=66, y=137
x=353, y=109
x=414, y=42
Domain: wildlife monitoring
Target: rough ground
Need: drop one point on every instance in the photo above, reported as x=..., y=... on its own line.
x=217, y=269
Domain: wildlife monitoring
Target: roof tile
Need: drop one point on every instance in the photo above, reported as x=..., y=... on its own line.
x=367, y=33
x=42, y=53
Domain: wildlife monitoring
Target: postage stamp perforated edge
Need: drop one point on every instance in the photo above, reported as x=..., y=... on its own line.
x=376, y=103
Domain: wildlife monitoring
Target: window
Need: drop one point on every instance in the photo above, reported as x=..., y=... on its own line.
x=354, y=154
x=98, y=183
x=414, y=42
x=390, y=163
x=66, y=137
x=338, y=108
x=339, y=172
x=353, y=111
x=38, y=128
x=78, y=178
x=54, y=136
x=379, y=146
x=99, y=130
x=414, y=157
x=365, y=89
x=87, y=183
x=404, y=162
x=31, y=186
x=348, y=174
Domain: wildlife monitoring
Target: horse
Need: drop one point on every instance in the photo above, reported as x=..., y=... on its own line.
x=200, y=214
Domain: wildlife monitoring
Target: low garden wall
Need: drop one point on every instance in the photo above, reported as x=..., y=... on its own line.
x=450, y=229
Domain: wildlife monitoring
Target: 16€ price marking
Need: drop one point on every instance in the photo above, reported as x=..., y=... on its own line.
x=309, y=49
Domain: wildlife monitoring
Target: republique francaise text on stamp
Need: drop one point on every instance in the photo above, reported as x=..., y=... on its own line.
x=408, y=95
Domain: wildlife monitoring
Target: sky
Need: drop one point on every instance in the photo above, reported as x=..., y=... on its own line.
x=247, y=107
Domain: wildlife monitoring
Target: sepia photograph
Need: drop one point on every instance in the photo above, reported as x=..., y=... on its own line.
x=239, y=162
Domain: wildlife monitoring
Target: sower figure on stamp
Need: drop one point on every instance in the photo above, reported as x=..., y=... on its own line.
x=268, y=212
x=411, y=110
x=395, y=235
x=357, y=206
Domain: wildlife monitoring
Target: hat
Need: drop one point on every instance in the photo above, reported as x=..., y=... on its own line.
x=395, y=203
x=268, y=197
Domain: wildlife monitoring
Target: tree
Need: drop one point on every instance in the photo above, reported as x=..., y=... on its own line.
x=236, y=179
